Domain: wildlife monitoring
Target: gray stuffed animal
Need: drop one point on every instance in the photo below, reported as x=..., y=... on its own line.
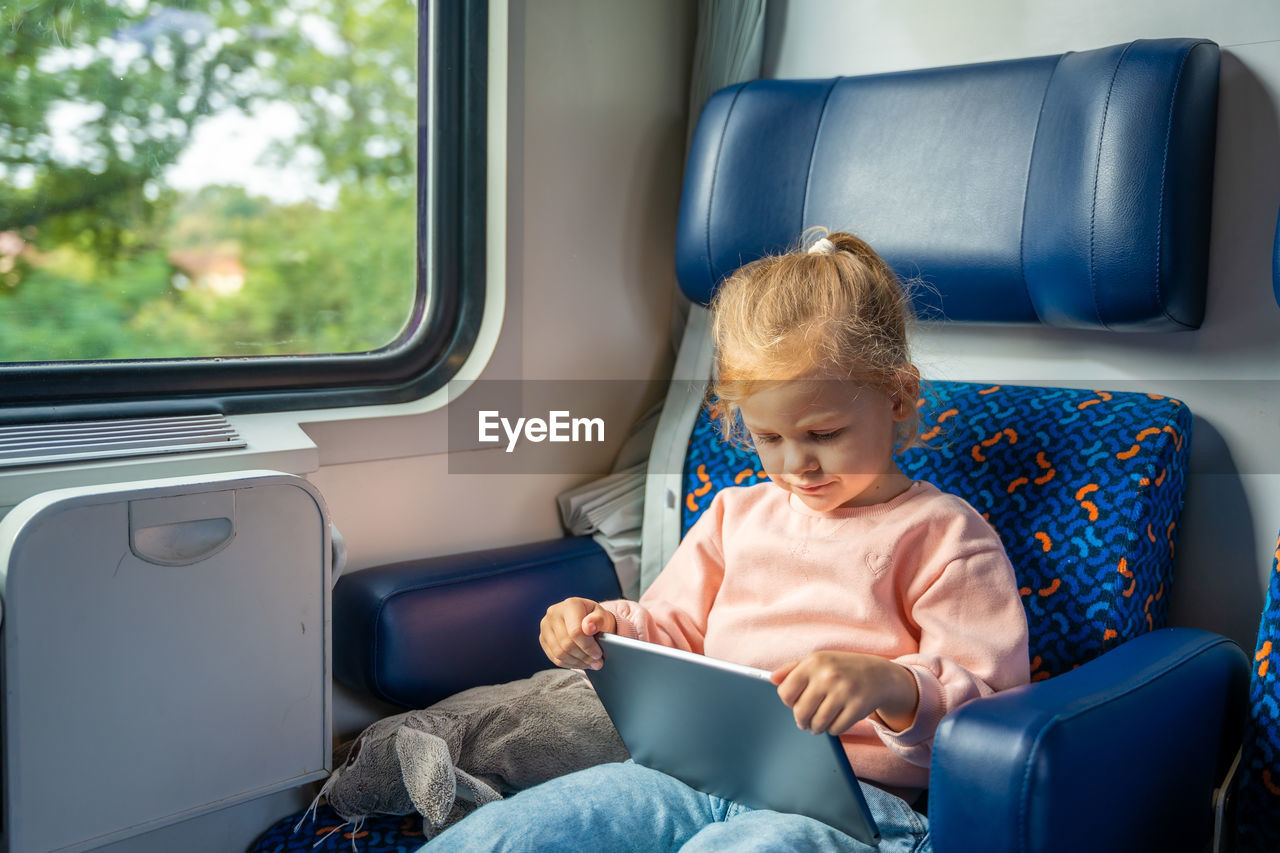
x=473, y=748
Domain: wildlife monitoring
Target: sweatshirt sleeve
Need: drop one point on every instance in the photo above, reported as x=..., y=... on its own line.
x=973, y=642
x=673, y=611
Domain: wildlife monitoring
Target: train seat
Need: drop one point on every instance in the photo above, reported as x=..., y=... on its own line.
x=1257, y=792
x=1070, y=191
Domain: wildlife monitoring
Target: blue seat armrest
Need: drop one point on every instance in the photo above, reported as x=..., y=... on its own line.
x=415, y=632
x=1161, y=715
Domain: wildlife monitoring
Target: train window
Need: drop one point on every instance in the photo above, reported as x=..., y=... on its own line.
x=248, y=202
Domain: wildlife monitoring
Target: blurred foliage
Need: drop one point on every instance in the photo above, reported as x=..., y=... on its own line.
x=101, y=259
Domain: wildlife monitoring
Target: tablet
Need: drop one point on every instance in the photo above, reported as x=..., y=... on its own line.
x=720, y=727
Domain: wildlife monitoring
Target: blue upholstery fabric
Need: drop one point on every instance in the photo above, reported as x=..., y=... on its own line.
x=1258, y=784
x=1258, y=787
x=398, y=629
x=1084, y=488
x=1068, y=190
x=327, y=832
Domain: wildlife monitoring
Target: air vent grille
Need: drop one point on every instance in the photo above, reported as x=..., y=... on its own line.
x=78, y=441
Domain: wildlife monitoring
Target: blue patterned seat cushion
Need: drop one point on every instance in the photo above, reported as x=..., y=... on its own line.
x=326, y=832
x=1258, y=785
x=1084, y=487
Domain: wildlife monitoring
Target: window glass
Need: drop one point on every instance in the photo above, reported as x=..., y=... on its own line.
x=206, y=178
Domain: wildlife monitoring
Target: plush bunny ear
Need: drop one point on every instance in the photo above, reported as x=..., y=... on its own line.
x=432, y=780
x=477, y=792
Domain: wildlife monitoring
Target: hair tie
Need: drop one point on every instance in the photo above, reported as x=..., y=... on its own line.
x=822, y=247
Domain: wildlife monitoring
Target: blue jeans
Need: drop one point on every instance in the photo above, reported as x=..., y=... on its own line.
x=626, y=807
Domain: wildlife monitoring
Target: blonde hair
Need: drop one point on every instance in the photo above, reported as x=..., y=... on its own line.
x=834, y=310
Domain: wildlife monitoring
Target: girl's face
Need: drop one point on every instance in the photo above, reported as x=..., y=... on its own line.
x=828, y=442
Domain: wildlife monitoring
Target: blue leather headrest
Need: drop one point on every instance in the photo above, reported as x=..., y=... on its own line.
x=1068, y=190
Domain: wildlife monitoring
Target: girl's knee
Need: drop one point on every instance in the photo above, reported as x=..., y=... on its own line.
x=559, y=810
x=610, y=806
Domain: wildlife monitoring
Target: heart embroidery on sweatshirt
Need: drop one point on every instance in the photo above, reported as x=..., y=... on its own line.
x=878, y=563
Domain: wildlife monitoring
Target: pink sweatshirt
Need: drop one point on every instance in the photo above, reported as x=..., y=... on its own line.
x=921, y=579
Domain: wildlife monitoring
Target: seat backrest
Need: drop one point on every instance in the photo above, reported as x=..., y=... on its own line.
x=1258, y=782
x=1258, y=788
x=1068, y=190
x=1084, y=488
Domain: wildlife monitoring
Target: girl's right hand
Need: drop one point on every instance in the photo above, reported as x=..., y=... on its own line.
x=568, y=629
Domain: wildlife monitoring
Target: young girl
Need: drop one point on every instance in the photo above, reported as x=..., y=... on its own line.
x=878, y=602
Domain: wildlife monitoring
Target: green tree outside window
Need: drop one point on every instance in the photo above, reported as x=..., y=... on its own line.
x=206, y=178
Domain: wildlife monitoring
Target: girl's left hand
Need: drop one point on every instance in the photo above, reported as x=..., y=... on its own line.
x=830, y=691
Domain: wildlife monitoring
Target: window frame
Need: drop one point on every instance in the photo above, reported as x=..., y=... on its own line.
x=450, y=287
